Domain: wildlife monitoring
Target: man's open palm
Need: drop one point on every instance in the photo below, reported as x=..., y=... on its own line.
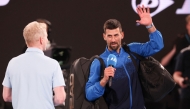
x=144, y=14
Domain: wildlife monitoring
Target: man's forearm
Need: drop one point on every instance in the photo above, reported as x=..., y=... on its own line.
x=103, y=82
x=177, y=76
x=7, y=94
x=60, y=95
x=94, y=91
x=8, y=99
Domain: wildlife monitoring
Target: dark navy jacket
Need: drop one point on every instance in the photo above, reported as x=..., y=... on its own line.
x=183, y=65
x=126, y=77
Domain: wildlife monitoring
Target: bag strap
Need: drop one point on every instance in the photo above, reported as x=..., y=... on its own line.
x=103, y=66
x=101, y=100
x=132, y=55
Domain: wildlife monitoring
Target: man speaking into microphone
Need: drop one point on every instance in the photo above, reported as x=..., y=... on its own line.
x=125, y=91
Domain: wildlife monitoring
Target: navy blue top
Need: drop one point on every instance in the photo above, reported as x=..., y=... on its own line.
x=183, y=65
x=118, y=95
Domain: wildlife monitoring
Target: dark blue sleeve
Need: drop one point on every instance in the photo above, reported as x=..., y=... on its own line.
x=179, y=63
x=154, y=45
x=93, y=88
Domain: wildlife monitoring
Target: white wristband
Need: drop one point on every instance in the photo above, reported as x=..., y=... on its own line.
x=149, y=26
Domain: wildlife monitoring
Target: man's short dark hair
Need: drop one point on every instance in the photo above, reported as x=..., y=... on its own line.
x=112, y=24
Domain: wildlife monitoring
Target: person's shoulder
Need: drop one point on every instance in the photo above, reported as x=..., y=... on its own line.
x=16, y=58
x=184, y=50
x=95, y=61
x=48, y=59
x=50, y=62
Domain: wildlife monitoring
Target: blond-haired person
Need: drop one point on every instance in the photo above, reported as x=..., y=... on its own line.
x=31, y=78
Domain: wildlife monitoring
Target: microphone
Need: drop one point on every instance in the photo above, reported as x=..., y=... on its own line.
x=111, y=61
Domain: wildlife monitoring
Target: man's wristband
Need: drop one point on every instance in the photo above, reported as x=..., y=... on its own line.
x=150, y=26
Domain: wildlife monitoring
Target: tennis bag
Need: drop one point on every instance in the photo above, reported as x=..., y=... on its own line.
x=79, y=73
x=156, y=81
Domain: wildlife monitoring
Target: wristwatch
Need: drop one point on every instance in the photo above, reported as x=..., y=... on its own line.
x=149, y=26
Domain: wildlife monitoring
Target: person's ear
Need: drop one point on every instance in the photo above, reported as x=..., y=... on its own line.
x=122, y=35
x=41, y=40
x=104, y=36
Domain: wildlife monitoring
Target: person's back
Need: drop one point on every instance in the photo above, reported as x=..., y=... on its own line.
x=32, y=77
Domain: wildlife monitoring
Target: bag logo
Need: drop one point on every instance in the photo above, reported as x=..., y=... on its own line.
x=71, y=93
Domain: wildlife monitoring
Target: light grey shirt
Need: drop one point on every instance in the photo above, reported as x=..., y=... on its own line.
x=32, y=77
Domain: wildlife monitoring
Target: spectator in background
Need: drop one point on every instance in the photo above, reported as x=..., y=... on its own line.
x=182, y=41
x=182, y=76
x=169, y=60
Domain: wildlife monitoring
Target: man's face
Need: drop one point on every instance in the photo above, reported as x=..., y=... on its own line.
x=188, y=27
x=113, y=38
